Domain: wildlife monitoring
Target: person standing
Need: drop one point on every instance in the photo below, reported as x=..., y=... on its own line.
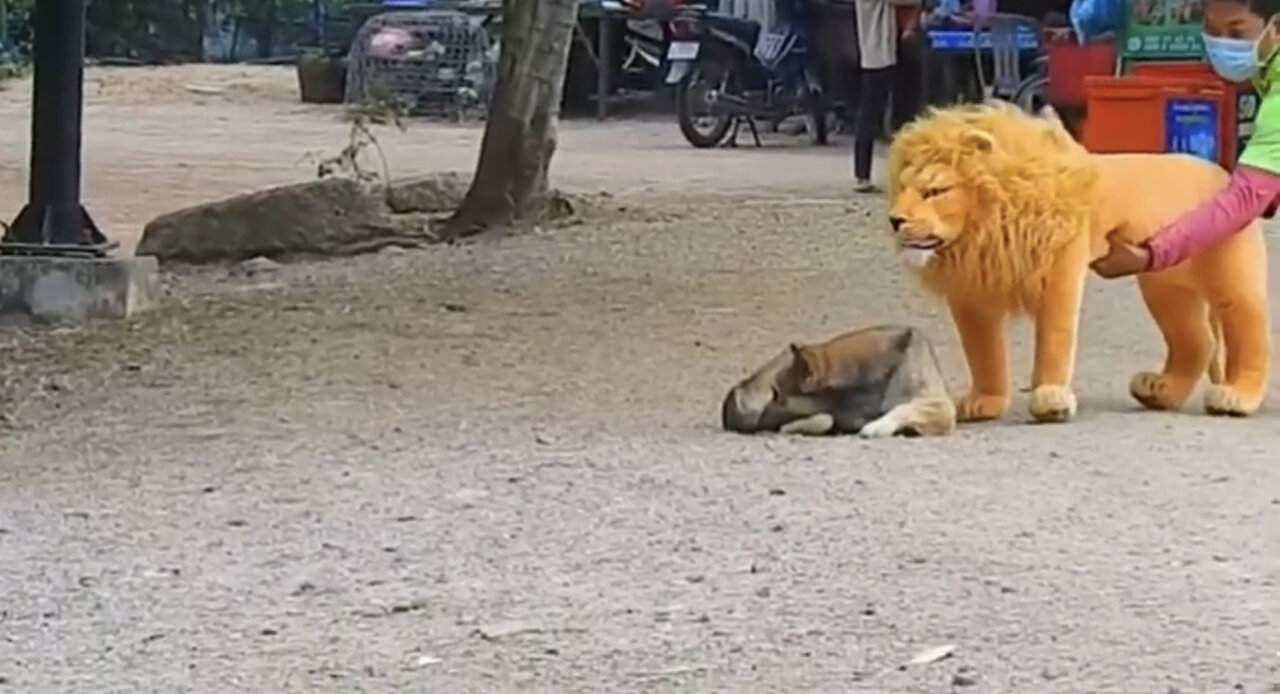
x=877, y=57
x=907, y=95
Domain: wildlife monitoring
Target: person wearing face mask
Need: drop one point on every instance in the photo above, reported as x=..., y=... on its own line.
x=1241, y=42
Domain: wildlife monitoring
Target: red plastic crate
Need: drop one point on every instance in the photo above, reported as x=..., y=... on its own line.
x=1070, y=62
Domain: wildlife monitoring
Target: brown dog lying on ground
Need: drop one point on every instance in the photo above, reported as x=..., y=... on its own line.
x=875, y=382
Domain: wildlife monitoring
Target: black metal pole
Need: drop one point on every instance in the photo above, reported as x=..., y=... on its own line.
x=317, y=18
x=53, y=221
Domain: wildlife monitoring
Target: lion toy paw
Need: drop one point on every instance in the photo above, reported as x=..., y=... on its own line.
x=975, y=407
x=1224, y=401
x=1052, y=404
x=1158, y=391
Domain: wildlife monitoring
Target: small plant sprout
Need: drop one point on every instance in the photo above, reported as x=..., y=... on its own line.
x=364, y=117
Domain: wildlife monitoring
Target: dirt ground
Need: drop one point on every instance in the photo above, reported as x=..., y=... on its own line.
x=495, y=467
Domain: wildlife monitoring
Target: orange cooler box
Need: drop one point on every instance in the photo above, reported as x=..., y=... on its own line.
x=1238, y=109
x=1168, y=113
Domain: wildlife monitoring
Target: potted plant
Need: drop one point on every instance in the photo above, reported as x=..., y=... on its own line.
x=322, y=76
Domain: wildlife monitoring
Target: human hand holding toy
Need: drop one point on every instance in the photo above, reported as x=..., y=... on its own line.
x=1122, y=258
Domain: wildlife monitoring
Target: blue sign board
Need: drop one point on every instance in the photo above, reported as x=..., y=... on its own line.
x=1191, y=127
x=956, y=40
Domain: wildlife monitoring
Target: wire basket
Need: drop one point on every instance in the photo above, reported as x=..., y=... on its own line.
x=441, y=63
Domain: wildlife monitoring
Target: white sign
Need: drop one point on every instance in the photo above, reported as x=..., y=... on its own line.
x=682, y=50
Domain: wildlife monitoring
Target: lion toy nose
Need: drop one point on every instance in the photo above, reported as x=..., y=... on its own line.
x=896, y=221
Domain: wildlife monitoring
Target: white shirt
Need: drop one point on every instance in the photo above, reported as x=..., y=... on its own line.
x=878, y=32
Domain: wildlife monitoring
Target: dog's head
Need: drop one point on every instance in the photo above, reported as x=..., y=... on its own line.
x=786, y=388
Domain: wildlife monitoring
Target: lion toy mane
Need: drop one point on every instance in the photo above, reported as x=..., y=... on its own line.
x=1000, y=212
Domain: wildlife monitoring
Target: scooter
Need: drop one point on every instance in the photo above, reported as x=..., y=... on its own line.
x=728, y=71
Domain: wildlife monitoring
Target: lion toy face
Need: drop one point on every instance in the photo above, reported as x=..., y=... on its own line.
x=986, y=193
x=930, y=211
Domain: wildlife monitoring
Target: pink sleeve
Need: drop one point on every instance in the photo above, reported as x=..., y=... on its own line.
x=1245, y=197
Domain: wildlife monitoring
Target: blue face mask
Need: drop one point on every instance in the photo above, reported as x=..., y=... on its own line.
x=1235, y=60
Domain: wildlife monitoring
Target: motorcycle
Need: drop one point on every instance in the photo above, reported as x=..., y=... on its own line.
x=727, y=70
x=643, y=40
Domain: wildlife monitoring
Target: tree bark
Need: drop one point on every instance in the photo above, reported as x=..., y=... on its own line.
x=510, y=186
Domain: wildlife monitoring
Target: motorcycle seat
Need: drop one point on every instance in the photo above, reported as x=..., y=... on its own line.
x=745, y=30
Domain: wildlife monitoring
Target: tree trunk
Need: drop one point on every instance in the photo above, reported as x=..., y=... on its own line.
x=510, y=186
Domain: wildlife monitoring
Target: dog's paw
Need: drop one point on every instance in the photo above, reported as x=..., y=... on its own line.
x=1052, y=403
x=882, y=428
x=1224, y=401
x=813, y=425
x=1158, y=391
x=975, y=407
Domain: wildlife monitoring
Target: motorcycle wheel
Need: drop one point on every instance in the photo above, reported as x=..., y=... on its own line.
x=691, y=94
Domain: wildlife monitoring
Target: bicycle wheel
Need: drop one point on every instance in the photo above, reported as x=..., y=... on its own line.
x=1032, y=95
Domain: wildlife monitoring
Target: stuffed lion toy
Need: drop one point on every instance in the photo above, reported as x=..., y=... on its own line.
x=1000, y=212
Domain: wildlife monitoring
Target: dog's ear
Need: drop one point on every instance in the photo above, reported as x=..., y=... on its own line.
x=979, y=141
x=799, y=361
x=804, y=368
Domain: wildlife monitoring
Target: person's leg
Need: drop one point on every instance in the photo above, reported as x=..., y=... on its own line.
x=906, y=83
x=871, y=106
x=1246, y=196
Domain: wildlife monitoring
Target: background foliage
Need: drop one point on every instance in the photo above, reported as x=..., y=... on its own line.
x=171, y=30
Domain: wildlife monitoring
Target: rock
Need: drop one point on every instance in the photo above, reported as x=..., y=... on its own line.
x=328, y=217
x=254, y=267
x=437, y=192
x=410, y=606
x=414, y=224
x=498, y=630
x=468, y=497
x=933, y=655
x=671, y=671
x=792, y=127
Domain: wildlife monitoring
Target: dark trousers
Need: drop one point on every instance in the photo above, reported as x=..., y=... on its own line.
x=871, y=105
x=908, y=74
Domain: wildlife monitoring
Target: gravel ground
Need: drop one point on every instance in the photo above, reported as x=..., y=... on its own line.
x=495, y=467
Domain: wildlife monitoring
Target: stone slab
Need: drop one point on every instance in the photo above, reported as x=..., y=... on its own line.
x=327, y=217
x=70, y=290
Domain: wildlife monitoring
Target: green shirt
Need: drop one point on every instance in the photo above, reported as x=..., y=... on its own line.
x=1263, y=148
